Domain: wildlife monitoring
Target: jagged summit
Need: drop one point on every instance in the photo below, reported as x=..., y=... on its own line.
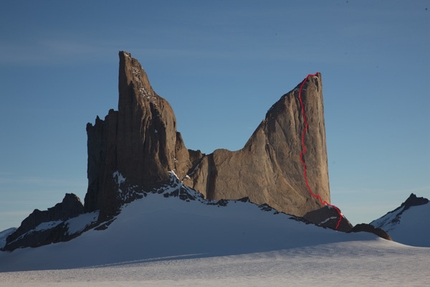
x=408, y=223
x=131, y=75
x=139, y=141
x=413, y=200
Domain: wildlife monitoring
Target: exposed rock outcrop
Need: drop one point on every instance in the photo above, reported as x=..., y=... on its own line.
x=328, y=217
x=32, y=233
x=364, y=227
x=140, y=143
x=413, y=200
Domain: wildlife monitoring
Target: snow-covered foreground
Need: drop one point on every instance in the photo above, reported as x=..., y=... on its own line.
x=360, y=263
x=159, y=241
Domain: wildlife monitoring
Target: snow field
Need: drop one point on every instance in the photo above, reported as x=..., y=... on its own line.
x=369, y=263
x=158, y=241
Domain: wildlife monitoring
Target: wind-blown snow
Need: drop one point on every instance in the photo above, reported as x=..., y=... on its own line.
x=79, y=223
x=159, y=241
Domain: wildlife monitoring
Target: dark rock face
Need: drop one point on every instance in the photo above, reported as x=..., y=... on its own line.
x=328, y=217
x=139, y=143
x=413, y=200
x=364, y=227
x=70, y=207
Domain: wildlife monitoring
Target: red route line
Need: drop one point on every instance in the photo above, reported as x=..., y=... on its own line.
x=303, y=151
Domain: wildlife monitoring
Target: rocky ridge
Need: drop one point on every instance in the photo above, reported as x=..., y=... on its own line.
x=389, y=221
x=28, y=234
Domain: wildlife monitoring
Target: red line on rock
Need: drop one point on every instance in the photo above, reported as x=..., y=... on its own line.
x=306, y=124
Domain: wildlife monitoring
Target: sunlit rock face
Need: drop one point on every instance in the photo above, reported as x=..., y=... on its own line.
x=268, y=168
x=46, y=226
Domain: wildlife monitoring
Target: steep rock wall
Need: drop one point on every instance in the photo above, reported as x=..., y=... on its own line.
x=139, y=141
x=268, y=169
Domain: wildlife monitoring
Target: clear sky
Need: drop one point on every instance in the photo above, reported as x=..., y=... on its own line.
x=221, y=65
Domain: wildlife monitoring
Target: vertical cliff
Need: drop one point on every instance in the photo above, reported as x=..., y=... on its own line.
x=138, y=142
x=135, y=147
x=268, y=169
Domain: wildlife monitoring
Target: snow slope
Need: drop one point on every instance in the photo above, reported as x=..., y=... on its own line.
x=410, y=226
x=4, y=234
x=159, y=241
x=158, y=227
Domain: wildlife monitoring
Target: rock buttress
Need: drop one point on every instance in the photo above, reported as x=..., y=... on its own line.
x=268, y=169
x=139, y=141
x=28, y=234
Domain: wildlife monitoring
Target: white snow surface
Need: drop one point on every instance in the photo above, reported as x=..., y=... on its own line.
x=46, y=225
x=4, y=234
x=79, y=223
x=411, y=227
x=158, y=241
x=118, y=177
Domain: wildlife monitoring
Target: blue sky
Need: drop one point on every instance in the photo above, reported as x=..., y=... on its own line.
x=221, y=65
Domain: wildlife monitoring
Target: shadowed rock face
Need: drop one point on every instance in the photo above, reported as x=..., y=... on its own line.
x=139, y=143
x=413, y=200
x=364, y=227
x=70, y=207
x=328, y=217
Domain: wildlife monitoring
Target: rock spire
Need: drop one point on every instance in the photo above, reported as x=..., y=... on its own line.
x=139, y=142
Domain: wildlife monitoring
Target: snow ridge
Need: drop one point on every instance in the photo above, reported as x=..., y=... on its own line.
x=407, y=224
